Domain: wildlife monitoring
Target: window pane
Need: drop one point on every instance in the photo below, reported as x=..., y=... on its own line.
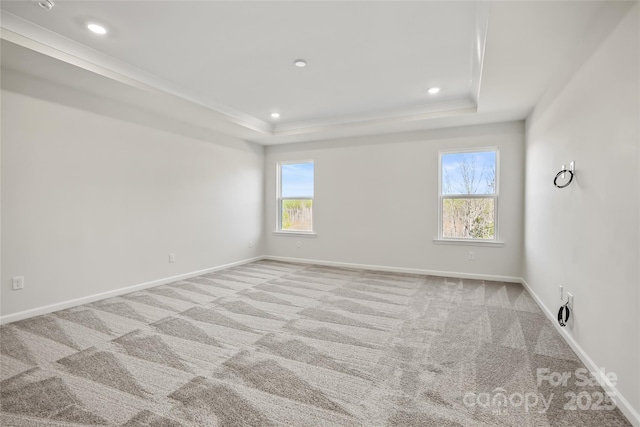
x=297, y=180
x=469, y=173
x=297, y=215
x=468, y=218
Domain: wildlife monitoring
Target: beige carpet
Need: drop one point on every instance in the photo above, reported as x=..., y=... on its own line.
x=276, y=344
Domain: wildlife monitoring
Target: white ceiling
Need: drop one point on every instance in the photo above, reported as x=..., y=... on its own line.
x=228, y=65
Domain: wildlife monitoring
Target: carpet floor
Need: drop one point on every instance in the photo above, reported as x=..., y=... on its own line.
x=279, y=344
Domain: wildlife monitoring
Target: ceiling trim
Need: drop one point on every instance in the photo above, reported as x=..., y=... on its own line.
x=31, y=36
x=36, y=38
x=446, y=112
x=427, y=111
x=483, y=13
x=397, y=116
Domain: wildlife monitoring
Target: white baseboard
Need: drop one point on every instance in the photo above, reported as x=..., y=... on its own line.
x=397, y=269
x=121, y=291
x=622, y=403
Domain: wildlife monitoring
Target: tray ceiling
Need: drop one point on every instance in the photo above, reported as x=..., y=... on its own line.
x=369, y=64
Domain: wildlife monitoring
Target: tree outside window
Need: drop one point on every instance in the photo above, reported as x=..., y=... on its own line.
x=295, y=196
x=468, y=194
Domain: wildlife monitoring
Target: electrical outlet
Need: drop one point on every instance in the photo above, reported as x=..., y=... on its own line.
x=17, y=283
x=172, y=257
x=472, y=256
x=250, y=244
x=561, y=292
x=570, y=300
x=298, y=244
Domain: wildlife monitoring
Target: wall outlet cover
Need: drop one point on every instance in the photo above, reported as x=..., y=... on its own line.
x=17, y=283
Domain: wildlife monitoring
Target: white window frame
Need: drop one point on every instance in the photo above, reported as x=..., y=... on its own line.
x=496, y=198
x=279, y=199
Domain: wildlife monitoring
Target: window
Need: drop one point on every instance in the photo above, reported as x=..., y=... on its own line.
x=295, y=197
x=469, y=194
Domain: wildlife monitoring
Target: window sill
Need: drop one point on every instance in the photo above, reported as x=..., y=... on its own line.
x=467, y=242
x=295, y=233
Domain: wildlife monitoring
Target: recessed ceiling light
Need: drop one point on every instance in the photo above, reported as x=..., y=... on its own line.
x=46, y=4
x=300, y=63
x=96, y=28
x=433, y=90
x=275, y=115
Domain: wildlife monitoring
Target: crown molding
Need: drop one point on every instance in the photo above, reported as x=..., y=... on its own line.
x=41, y=40
x=483, y=13
x=31, y=36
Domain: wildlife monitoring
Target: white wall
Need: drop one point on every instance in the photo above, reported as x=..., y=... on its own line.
x=92, y=202
x=376, y=201
x=586, y=236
